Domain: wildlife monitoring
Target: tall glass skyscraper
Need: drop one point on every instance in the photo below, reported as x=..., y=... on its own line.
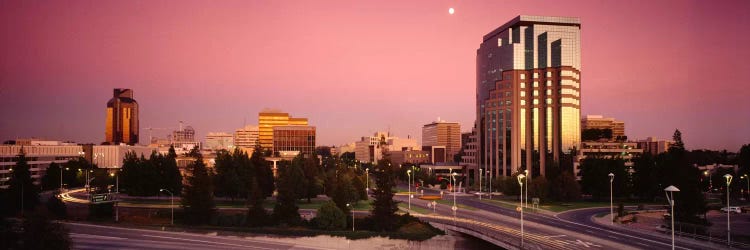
x=528, y=94
x=121, y=125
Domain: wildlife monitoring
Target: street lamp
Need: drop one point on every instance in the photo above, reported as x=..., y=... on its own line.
x=526, y=194
x=520, y=183
x=729, y=231
x=669, y=192
x=117, y=194
x=367, y=179
x=480, y=183
x=171, y=201
x=455, y=208
x=408, y=182
x=611, y=208
x=352, y=210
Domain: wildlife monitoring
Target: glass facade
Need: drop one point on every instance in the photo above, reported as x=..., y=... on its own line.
x=535, y=78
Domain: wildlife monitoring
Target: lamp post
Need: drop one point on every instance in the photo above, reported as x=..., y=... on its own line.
x=171, y=202
x=520, y=183
x=728, y=177
x=352, y=210
x=669, y=192
x=367, y=179
x=526, y=192
x=455, y=208
x=61, y=179
x=408, y=181
x=117, y=194
x=480, y=183
x=489, y=174
x=611, y=208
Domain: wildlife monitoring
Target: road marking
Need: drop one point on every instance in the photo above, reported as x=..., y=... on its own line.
x=555, y=236
x=618, y=233
x=96, y=236
x=203, y=241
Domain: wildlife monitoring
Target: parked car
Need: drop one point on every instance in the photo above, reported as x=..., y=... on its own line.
x=735, y=210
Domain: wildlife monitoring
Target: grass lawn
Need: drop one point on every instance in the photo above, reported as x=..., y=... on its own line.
x=565, y=206
x=268, y=203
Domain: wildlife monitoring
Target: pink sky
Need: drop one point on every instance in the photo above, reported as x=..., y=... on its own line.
x=355, y=67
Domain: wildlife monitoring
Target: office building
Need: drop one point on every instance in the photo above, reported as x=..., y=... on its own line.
x=608, y=150
x=598, y=122
x=247, y=137
x=122, y=118
x=268, y=119
x=445, y=134
x=469, y=157
x=654, y=146
x=288, y=141
x=528, y=94
x=370, y=148
x=219, y=141
x=40, y=155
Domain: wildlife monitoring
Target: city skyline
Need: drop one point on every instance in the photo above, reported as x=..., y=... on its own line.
x=656, y=66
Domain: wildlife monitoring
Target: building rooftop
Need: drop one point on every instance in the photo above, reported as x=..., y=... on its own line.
x=525, y=20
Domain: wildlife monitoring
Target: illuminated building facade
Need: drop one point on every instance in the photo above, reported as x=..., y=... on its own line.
x=442, y=133
x=528, y=94
x=294, y=139
x=122, y=118
x=267, y=120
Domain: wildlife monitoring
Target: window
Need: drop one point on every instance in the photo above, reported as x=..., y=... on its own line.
x=536, y=92
x=549, y=83
x=523, y=76
x=523, y=85
x=536, y=84
x=549, y=92
x=549, y=74
x=536, y=101
x=499, y=42
x=523, y=93
x=536, y=75
x=523, y=102
x=549, y=101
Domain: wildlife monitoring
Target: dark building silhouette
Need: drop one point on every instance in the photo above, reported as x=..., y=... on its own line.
x=122, y=118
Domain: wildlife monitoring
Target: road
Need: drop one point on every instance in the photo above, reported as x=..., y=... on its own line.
x=571, y=227
x=87, y=236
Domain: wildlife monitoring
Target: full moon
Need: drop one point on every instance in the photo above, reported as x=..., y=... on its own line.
x=451, y=11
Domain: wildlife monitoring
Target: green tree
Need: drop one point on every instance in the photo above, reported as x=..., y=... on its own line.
x=263, y=172
x=22, y=190
x=226, y=176
x=286, y=210
x=595, y=177
x=743, y=159
x=330, y=217
x=313, y=182
x=359, y=186
x=676, y=170
x=39, y=233
x=51, y=178
x=197, y=197
x=563, y=185
x=384, y=207
x=170, y=173
x=256, y=214
x=344, y=193
x=646, y=177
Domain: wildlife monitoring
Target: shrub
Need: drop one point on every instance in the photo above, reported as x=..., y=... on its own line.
x=330, y=217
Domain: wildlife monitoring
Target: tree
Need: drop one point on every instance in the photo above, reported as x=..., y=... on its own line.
x=330, y=217
x=286, y=210
x=646, y=177
x=563, y=185
x=743, y=160
x=170, y=173
x=197, y=197
x=22, y=190
x=39, y=233
x=384, y=207
x=226, y=176
x=676, y=170
x=344, y=193
x=256, y=214
x=51, y=178
x=313, y=182
x=263, y=172
x=360, y=187
x=595, y=179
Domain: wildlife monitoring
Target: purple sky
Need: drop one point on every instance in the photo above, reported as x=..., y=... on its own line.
x=354, y=67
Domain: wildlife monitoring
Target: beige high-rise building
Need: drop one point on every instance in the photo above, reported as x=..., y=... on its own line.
x=268, y=119
x=121, y=124
x=442, y=133
x=247, y=137
x=528, y=86
x=601, y=122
